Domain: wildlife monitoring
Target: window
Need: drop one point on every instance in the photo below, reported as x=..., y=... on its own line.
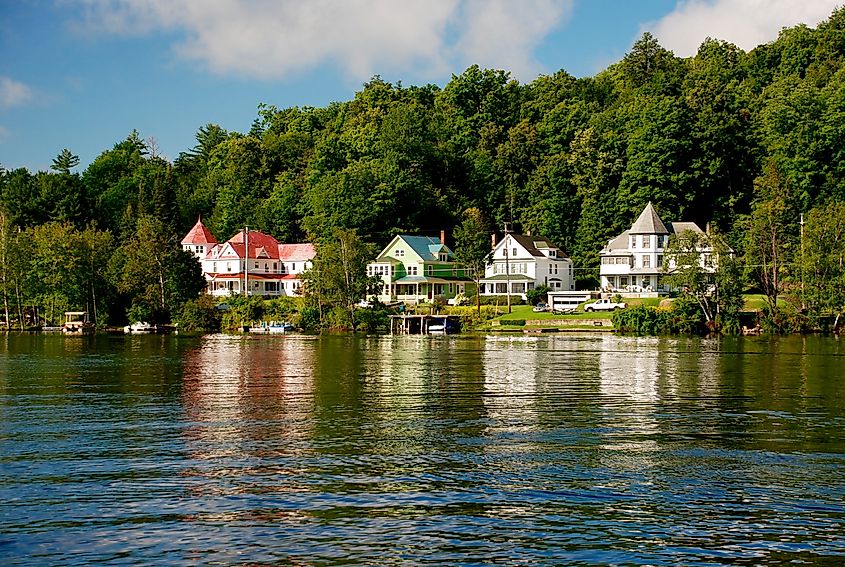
x=429, y=270
x=443, y=257
x=266, y=266
x=392, y=271
x=412, y=270
x=646, y=261
x=214, y=267
x=646, y=281
x=514, y=252
x=255, y=265
x=228, y=266
x=399, y=253
x=633, y=242
x=660, y=260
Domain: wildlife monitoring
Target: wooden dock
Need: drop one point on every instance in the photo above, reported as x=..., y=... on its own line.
x=424, y=324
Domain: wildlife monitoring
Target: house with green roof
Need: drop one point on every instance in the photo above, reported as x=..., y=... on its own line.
x=418, y=269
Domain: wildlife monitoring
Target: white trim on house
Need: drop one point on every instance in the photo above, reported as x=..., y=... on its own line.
x=521, y=262
x=633, y=261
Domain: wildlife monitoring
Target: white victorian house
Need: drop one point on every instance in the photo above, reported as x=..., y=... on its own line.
x=633, y=261
x=250, y=262
x=521, y=262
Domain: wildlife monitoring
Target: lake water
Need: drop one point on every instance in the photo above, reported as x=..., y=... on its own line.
x=464, y=450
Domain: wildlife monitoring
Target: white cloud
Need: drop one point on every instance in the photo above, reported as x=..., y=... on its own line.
x=746, y=23
x=278, y=38
x=13, y=93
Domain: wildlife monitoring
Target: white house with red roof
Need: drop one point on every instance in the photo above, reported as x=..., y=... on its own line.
x=250, y=262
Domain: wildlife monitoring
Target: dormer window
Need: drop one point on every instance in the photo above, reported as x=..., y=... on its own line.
x=443, y=257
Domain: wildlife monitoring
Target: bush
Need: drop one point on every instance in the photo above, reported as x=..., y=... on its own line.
x=282, y=308
x=538, y=294
x=372, y=319
x=687, y=317
x=470, y=317
x=309, y=318
x=200, y=315
x=641, y=320
x=501, y=300
x=243, y=311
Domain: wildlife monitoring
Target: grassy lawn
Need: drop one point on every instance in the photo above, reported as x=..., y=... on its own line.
x=525, y=312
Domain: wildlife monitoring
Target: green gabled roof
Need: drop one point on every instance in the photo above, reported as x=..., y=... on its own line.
x=426, y=247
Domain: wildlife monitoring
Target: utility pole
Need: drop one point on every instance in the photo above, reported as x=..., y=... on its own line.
x=246, y=260
x=803, y=295
x=507, y=266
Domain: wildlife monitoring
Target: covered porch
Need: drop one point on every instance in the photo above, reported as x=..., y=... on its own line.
x=255, y=284
x=634, y=283
x=502, y=284
x=421, y=289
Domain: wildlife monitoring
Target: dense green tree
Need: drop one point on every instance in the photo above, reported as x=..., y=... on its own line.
x=155, y=272
x=822, y=261
x=472, y=248
x=65, y=161
x=768, y=238
x=339, y=275
x=702, y=266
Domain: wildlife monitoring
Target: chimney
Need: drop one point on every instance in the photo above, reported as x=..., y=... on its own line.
x=707, y=228
x=493, y=240
x=443, y=237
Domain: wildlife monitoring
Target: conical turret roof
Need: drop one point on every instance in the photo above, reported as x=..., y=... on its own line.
x=648, y=222
x=199, y=235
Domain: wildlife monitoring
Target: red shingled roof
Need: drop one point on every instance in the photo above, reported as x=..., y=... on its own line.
x=256, y=240
x=296, y=252
x=199, y=235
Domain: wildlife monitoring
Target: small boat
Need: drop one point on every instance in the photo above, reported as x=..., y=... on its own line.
x=257, y=329
x=443, y=326
x=77, y=323
x=280, y=327
x=139, y=327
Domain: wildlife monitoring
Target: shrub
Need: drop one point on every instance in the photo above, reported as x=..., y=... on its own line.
x=200, y=315
x=372, y=319
x=538, y=294
x=643, y=320
x=470, y=317
x=500, y=300
x=309, y=318
x=243, y=311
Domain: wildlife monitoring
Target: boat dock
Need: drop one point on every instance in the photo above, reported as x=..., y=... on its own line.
x=424, y=324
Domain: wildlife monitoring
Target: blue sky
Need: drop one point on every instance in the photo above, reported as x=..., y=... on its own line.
x=81, y=74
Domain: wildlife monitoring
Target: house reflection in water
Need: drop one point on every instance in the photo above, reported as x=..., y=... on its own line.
x=241, y=396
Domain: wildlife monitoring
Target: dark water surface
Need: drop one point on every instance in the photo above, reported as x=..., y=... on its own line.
x=408, y=451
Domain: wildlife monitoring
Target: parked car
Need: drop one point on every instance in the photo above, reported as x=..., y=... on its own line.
x=604, y=305
x=540, y=307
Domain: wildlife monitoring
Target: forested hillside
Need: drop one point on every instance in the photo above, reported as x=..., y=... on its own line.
x=706, y=139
